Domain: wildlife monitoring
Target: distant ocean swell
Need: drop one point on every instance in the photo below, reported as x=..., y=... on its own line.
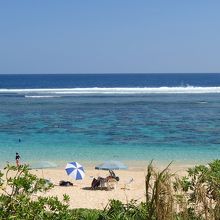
x=32, y=93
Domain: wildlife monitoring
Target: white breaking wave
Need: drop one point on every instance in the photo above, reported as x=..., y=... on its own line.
x=145, y=90
x=41, y=96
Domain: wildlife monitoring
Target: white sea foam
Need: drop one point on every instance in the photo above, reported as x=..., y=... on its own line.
x=41, y=96
x=146, y=90
x=202, y=102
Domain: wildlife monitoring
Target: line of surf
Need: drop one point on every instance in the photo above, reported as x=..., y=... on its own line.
x=41, y=96
x=144, y=90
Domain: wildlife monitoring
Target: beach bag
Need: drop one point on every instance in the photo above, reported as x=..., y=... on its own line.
x=65, y=183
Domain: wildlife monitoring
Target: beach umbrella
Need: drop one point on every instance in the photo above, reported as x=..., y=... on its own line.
x=42, y=165
x=111, y=165
x=75, y=170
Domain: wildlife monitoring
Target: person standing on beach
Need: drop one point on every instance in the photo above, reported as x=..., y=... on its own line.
x=17, y=159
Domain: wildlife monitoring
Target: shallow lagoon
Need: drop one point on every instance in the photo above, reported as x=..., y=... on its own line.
x=163, y=127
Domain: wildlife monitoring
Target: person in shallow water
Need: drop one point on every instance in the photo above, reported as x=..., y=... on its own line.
x=17, y=159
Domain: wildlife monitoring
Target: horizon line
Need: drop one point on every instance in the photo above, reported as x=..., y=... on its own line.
x=84, y=73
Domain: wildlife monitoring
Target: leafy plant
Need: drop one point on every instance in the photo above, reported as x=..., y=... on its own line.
x=202, y=188
x=192, y=197
x=159, y=193
x=18, y=201
x=117, y=210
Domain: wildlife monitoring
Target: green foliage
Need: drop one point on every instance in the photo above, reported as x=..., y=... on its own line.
x=192, y=197
x=159, y=196
x=18, y=201
x=202, y=188
x=84, y=214
x=117, y=210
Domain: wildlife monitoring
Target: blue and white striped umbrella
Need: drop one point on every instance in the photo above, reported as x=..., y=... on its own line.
x=75, y=170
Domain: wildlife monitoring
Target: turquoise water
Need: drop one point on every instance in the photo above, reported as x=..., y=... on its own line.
x=163, y=127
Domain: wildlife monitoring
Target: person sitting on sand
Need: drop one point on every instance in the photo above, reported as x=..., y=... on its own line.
x=17, y=159
x=96, y=182
x=100, y=181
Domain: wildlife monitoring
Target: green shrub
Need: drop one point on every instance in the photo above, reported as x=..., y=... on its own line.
x=18, y=202
x=117, y=210
x=202, y=189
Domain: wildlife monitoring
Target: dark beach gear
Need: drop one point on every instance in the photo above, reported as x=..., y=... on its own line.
x=65, y=183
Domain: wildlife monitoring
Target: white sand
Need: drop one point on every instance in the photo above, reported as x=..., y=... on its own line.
x=81, y=196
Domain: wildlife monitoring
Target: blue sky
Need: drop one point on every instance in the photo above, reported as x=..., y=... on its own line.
x=109, y=36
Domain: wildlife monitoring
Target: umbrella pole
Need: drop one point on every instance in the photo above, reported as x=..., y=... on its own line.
x=42, y=173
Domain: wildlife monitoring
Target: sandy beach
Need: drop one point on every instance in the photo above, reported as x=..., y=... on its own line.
x=81, y=195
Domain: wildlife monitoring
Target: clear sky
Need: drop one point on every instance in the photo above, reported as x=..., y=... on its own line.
x=109, y=36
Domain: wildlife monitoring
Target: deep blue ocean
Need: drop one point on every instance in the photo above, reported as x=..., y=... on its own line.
x=95, y=117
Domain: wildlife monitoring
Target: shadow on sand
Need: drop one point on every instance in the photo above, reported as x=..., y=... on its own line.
x=98, y=188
